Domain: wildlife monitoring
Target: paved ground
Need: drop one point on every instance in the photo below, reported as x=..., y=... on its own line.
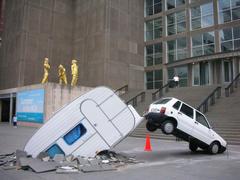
x=168, y=160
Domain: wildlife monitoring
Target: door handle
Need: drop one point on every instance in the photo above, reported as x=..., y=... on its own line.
x=196, y=122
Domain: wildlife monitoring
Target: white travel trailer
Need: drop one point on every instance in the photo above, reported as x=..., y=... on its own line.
x=95, y=121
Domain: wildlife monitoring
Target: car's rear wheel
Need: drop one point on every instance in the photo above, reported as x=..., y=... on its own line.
x=214, y=147
x=168, y=127
x=151, y=127
x=193, y=146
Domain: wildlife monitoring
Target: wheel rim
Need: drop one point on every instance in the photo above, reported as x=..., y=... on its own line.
x=168, y=127
x=215, y=149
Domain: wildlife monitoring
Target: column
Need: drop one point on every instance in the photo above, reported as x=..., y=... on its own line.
x=11, y=109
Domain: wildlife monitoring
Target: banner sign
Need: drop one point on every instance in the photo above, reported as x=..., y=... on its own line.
x=30, y=106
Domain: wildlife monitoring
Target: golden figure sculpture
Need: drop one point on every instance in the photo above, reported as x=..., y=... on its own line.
x=62, y=75
x=46, y=67
x=74, y=69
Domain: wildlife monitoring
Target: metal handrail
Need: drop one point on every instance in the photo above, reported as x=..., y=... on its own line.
x=134, y=100
x=160, y=91
x=212, y=97
x=230, y=88
x=122, y=90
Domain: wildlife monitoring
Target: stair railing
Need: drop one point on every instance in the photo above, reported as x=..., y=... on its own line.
x=230, y=88
x=122, y=90
x=210, y=100
x=159, y=92
x=134, y=101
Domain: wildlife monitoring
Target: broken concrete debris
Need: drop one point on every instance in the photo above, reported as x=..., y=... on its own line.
x=104, y=161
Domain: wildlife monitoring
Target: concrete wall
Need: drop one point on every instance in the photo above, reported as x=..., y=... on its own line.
x=106, y=36
x=125, y=30
x=35, y=29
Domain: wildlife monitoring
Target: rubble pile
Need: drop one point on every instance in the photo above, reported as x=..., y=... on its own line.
x=103, y=161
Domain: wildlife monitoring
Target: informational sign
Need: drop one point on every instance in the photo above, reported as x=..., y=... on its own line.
x=30, y=106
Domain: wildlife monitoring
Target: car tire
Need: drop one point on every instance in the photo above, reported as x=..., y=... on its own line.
x=168, y=127
x=193, y=146
x=214, y=147
x=150, y=127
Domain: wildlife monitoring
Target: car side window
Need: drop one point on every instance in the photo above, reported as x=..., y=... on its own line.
x=201, y=119
x=177, y=105
x=185, y=109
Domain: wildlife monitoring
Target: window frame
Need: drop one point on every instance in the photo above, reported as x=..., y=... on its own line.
x=205, y=119
x=185, y=113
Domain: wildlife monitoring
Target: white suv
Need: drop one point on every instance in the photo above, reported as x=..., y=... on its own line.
x=183, y=121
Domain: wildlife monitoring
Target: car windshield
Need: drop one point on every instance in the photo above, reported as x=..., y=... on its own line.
x=162, y=101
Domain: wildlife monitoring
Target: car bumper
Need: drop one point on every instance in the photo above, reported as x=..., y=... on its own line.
x=155, y=118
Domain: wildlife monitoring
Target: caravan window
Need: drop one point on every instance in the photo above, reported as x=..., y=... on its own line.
x=53, y=150
x=75, y=134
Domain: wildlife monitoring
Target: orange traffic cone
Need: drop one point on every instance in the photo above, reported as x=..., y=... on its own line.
x=148, y=144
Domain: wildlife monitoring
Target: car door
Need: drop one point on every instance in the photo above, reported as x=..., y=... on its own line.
x=185, y=118
x=201, y=129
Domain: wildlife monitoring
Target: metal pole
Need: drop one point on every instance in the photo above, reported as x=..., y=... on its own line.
x=11, y=109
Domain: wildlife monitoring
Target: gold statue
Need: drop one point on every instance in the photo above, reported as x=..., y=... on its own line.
x=74, y=69
x=62, y=75
x=46, y=69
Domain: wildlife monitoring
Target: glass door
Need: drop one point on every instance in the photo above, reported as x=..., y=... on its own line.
x=204, y=73
x=227, y=71
x=196, y=74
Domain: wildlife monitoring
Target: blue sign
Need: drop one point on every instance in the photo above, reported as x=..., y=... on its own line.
x=30, y=106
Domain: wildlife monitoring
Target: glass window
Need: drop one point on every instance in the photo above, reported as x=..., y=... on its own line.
x=202, y=16
x=174, y=3
x=154, y=79
x=201, y=119
x=75, y=134
x=53, y=150
x=177, y=49
x=185, y=109
x=229, y=10
x=163, y=101
x=153, y=7
x=154, y=29
x=153, y=54
x=203, y=44
x=176, y=22
x=177, y=105
x=182, y=72
x=230, y=39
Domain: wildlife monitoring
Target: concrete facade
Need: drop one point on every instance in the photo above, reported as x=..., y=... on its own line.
x=214, y=64
x=105, y=36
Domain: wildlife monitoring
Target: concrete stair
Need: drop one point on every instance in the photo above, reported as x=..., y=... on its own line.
x=225, y=117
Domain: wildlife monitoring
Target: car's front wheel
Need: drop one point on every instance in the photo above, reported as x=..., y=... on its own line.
x=168, y=127
x=151, y=127
x=214, y=147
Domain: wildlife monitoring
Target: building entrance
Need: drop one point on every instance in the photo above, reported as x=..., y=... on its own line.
x=201, y=74
x=6, y=111
x=227, y=66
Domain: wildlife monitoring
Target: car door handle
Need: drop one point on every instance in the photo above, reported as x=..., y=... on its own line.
x=179, y=113
x=196, y=122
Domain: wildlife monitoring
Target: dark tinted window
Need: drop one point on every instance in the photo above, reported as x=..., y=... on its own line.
x=201, y=119
x=162, y=101
x=177, y=105
x=187, y=110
